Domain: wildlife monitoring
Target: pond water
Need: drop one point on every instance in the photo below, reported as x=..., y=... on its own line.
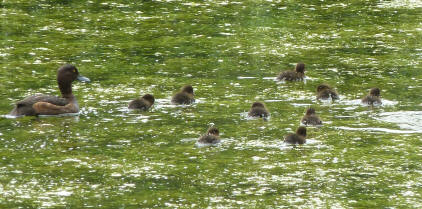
x=230, y=52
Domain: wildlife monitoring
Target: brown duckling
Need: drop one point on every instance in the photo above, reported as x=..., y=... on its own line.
x=326, y=92
x=52, y=105
x=373, y=97
x=298, y=137
x=311, y=118
x=258, y=109
x=297, y=75
x=211, y=137
x=142, y=103
x=185, y=96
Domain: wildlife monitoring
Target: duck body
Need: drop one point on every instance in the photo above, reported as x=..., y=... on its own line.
x=297, y=138
x=258, y=109
x=293, y=75
x=326, y=92
x=143, y=103
x=25, y=106
x=211, y=137
x=311, y=118
x=373, y=97
x=185, y=96
x=52, y=105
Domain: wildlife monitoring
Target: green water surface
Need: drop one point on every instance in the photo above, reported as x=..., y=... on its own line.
x=230, y=52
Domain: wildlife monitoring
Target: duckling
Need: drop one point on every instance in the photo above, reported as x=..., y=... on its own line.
x=297, y=75
x=52, y=105
x=211, y=137
x=298, y=137
x=373, y=97
x=258, y=109
x=185, y=96
x=311, y=118
x=143, y=103
x=326, y=92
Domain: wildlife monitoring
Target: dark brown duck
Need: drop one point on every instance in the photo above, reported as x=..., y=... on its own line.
x=293, y=75
x=324, y=91
x=258, y=109
x=311, y=118
x=211, y=137
x=52, y=105
x=373, y=97
x=142, y=103
x=297, y=138
x=185, y=96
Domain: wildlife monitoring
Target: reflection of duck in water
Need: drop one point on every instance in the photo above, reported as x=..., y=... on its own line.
x=324, y=91
x=373, y=97
x=143, y=103
x=211, y=137
x=311, y=118
x=52, y=105
x=298, y=137
x=297, y=75
x=185, y=96
x=258, y=109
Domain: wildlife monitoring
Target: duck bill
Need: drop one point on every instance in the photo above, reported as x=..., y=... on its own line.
x=83, y=79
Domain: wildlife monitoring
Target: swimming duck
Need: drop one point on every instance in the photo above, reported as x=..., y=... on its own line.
x=326, y=92
x=185, y=96
x=298, y=137
x=258, y=109
x=373, y=97
x=143, y=103
x=211, y=137
x=311, y=118
x=297, y=75
x=52, y=105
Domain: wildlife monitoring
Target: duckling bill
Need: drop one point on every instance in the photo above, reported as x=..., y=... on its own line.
x=297, y=138
x=373, y=97
x=185, y=96
x=211, y=137
x=143, y=103
x=52, y=105
x=297, y=75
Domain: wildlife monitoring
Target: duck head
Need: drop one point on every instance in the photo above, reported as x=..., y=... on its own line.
x=301, y=131
x=322, y=87
x=310, y=111
x=213, y=131
x=65, y=76
x=375, y=92
x=258, y=104
x=300, y=67
x=149, y=98
x=188, y=89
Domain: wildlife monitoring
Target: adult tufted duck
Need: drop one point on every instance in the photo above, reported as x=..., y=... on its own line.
x=52, y=105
